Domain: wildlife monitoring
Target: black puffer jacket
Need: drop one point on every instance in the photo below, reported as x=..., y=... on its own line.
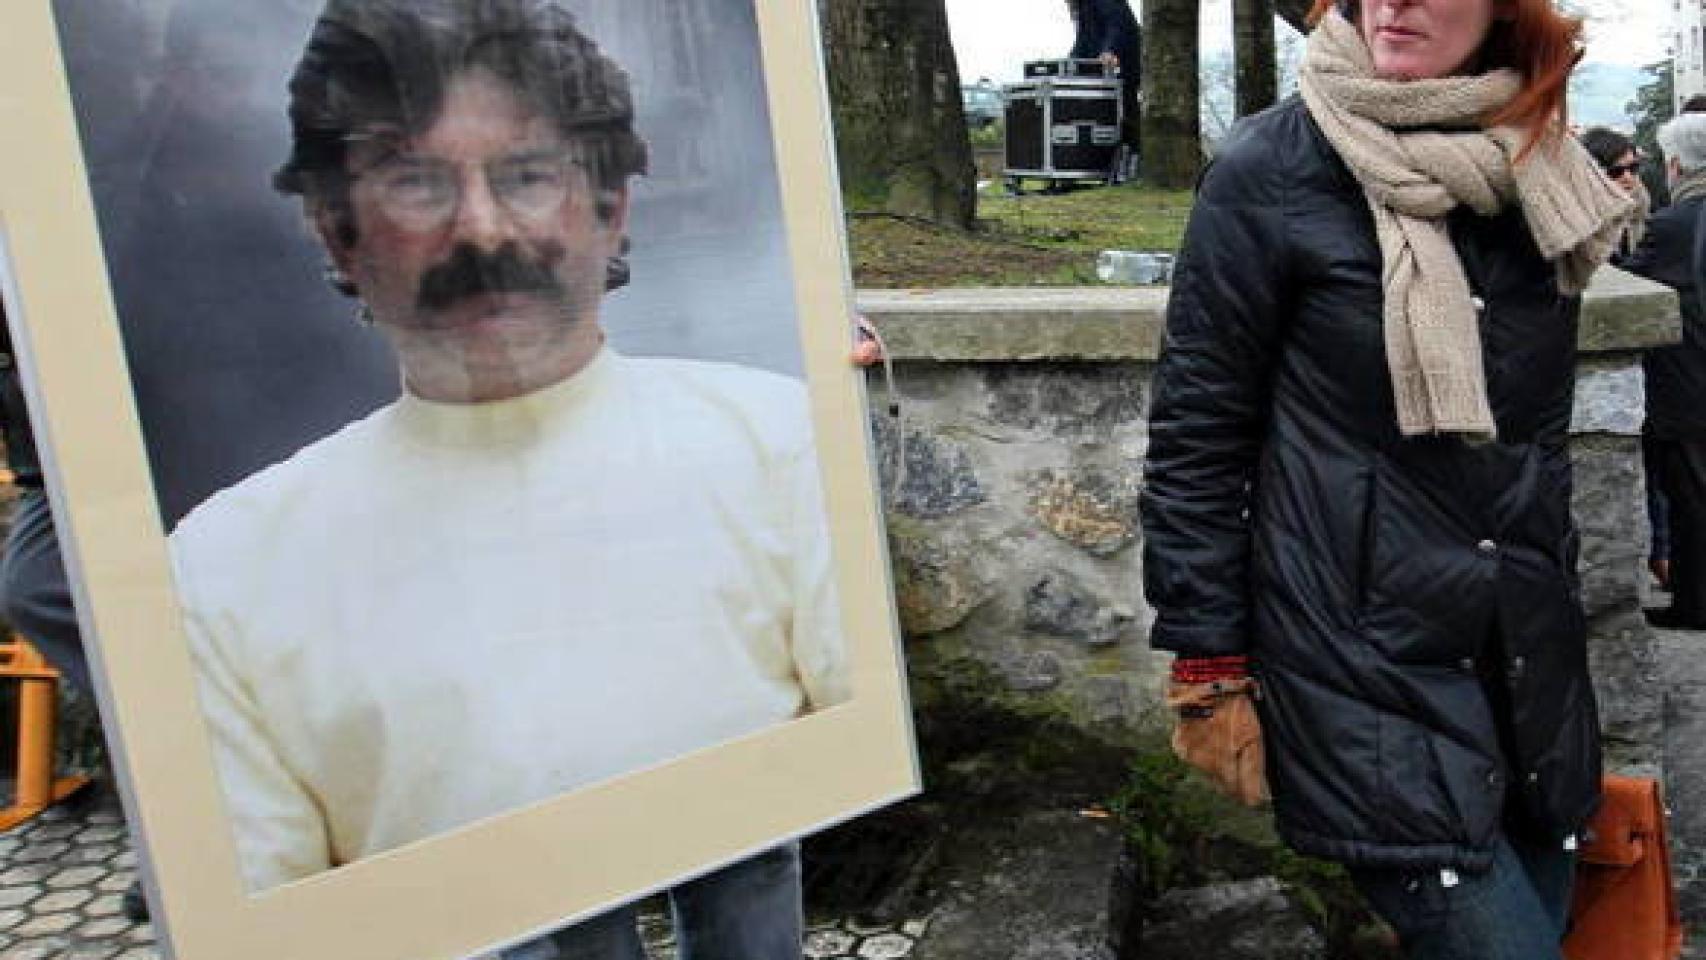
x=1676, y=376
x=1410, y=605
x=1108, y=26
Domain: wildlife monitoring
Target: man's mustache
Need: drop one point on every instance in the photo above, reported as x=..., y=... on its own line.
x=470, y=272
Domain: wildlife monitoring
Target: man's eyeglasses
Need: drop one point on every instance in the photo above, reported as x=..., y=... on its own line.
x=422, y=193
x=1621, y=169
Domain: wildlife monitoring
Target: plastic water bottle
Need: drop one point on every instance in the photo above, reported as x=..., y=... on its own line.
x=1134, y=266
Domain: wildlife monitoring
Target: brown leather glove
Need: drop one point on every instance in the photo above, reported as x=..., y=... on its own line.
x=1216, y=728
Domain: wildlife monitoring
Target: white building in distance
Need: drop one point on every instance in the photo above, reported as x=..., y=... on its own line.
x=1688, y=67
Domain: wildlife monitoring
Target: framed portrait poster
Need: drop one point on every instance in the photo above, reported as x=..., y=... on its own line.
x=450, y=430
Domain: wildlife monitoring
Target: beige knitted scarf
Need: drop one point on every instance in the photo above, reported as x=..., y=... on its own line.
x=1419, y=149
x=1637, y=226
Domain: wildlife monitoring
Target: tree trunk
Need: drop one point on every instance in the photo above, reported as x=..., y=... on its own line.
x=1257, y=80
x=1172, y=122
x=1294, y=12
x=900, y=129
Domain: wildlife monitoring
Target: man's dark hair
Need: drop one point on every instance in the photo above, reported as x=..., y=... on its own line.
x=1606, y=145
x=388, y=63
x=1694, y=104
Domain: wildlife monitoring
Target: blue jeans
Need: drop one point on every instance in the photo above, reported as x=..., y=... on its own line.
x=1516, y=910
x=747, y=911
x=35, y=597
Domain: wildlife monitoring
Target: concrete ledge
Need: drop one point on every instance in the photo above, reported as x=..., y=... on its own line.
x=1019, y=323
x=1621, y=313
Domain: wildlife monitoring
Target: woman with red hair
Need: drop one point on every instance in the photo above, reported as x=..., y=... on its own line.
x=1357, y=489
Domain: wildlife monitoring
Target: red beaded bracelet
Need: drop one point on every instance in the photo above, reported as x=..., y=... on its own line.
x=1210, y=669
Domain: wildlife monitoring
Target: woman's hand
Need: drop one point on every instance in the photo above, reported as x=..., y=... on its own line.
x=867, y=343
x=1215, y=727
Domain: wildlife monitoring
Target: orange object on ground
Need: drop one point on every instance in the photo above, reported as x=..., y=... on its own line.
x=1625, y=903
x=37, y=709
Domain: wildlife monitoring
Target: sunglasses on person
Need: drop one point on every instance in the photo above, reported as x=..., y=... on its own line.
x=1620, y=169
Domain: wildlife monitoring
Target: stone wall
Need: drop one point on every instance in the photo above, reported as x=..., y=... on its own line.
x=1012, y=459
x=1012, y=471
x=1012, y=505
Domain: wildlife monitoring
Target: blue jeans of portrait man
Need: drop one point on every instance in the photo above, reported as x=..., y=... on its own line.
x=750, y=910
x=1516, y=910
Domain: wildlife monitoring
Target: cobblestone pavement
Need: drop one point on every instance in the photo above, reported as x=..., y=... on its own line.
x=62, y=882
x=825, y=939
x=63, y=877
x=850, y=940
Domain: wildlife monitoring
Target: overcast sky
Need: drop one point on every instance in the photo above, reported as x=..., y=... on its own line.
x=992, y=38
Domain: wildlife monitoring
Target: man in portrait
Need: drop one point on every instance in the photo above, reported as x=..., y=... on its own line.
x=545, y=564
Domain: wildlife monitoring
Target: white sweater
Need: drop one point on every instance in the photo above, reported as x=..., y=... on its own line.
x=444, y=612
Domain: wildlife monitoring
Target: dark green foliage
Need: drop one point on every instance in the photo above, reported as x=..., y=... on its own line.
x=1654, y=103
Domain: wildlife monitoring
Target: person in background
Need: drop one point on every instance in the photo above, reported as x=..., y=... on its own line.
x=1357, y=487
x=35, y=596
x=1653, y=168
x=1618, y=156
x=1674, y=437
x=1106, y=30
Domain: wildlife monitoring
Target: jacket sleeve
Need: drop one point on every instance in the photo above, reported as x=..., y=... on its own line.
x=1663, y=254
x=1697, y=258
x=1104, y=28
x=1210, y=404
x=1121, y=30
x=1085, y=40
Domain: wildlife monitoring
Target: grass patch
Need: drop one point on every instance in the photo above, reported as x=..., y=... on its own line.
x=988, y=135
x=1033, y=240
x=1127, y=217
x=889, y=252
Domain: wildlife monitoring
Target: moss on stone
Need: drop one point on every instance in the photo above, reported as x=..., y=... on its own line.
x=1181, y=833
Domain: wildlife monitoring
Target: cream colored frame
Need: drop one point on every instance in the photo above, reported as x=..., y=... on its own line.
x=525, y=872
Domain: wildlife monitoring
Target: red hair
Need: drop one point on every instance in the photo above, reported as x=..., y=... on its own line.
x=1538, y=42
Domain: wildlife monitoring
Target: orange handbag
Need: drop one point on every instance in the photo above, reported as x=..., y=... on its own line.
x=1625, y=906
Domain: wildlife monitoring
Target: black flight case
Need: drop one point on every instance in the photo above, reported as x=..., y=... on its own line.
x=1062, y=123
x=1091, y=69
